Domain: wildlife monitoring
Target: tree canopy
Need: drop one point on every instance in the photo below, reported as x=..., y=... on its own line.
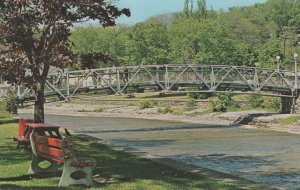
x=199, y=35
x=35, y=35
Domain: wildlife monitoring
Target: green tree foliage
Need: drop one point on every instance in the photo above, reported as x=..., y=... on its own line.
x=106, y=41
x=149, y=44
x=35, y=36
x=240, y=36
x=203, y=43
x=268, y=52
x=186, y=9
x=201, y=12
x=280, y=11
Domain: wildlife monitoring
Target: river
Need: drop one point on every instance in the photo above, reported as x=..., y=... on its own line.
x=263, y=156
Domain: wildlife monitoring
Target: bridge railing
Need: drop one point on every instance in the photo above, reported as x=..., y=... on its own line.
x=172, y=78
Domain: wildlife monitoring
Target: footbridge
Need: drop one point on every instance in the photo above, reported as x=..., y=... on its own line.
x=172, y=79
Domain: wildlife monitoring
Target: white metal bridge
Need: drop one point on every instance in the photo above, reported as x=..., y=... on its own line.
x=170, y=79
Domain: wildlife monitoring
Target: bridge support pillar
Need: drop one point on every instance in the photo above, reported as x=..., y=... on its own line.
x=296, y=108
x=287, y=105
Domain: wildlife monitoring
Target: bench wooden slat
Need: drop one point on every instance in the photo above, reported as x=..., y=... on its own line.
x=55, y=152
x=51, y=158
x=48, y=141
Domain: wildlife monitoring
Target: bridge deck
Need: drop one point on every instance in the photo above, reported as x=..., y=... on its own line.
x=171, y=78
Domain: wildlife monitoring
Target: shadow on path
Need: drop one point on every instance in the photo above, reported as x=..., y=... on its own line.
x=249, y=118
x=155, y=129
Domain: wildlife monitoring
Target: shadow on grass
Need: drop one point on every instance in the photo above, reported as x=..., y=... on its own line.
x=31, y=176
x=118, y=167
x=8, y=120
x=10, y=155
x=17, y=187
x=113, y=167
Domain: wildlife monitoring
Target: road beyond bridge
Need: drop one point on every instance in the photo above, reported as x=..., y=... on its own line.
x=175, y=79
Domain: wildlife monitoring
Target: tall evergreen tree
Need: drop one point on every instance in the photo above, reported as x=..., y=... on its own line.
x=192, y=8
x=186, y=9
x=201, y=9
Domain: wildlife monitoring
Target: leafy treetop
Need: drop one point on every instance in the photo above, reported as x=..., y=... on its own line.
x=34, y=33
x=34, y=36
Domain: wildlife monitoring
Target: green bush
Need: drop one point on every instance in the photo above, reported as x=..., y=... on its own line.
x=224, y=103
x=2, y=106
x=256, y=101
x=3, y=113
x=147, y=104
x=272, y=104
x=99, y=110
x=191, y=105
x=165, y=110
x=11, y=101
x=84, y=110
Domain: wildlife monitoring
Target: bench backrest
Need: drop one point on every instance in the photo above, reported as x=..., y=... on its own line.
x=50, y=148
x=22, y=123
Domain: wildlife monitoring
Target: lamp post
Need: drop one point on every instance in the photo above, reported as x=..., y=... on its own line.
x=278, y=62
x=296, y=56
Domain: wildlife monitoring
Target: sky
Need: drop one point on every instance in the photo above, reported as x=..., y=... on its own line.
x=143, y=9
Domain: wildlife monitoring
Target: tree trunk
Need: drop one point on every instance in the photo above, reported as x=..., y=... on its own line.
x=39, y=116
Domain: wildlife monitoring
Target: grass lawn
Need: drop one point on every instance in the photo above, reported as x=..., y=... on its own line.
x=116, y=170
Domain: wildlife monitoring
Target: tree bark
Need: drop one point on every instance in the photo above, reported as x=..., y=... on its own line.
x=39, y=116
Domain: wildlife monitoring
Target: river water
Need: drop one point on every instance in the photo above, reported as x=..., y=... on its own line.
x=266, y=157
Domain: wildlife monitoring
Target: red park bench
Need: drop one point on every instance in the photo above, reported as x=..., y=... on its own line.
x=59, y=151
x=26, y=126
x=23, y=135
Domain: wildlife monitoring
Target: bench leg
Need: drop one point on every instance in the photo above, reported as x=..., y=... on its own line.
x=36, y=169
x=66, y=178
x=18, y=145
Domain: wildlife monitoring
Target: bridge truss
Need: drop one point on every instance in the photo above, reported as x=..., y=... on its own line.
x=172, y=79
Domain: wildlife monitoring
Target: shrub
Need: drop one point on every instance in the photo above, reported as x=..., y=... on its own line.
x=272, y=103
x=147, y=104
x=191, y=105
x=256, y=101
x=224, y=103
x=165, y=110
x=2, y=106
x=11, y=101
x=2, y=109
x=99, y=110
x=84, y=110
